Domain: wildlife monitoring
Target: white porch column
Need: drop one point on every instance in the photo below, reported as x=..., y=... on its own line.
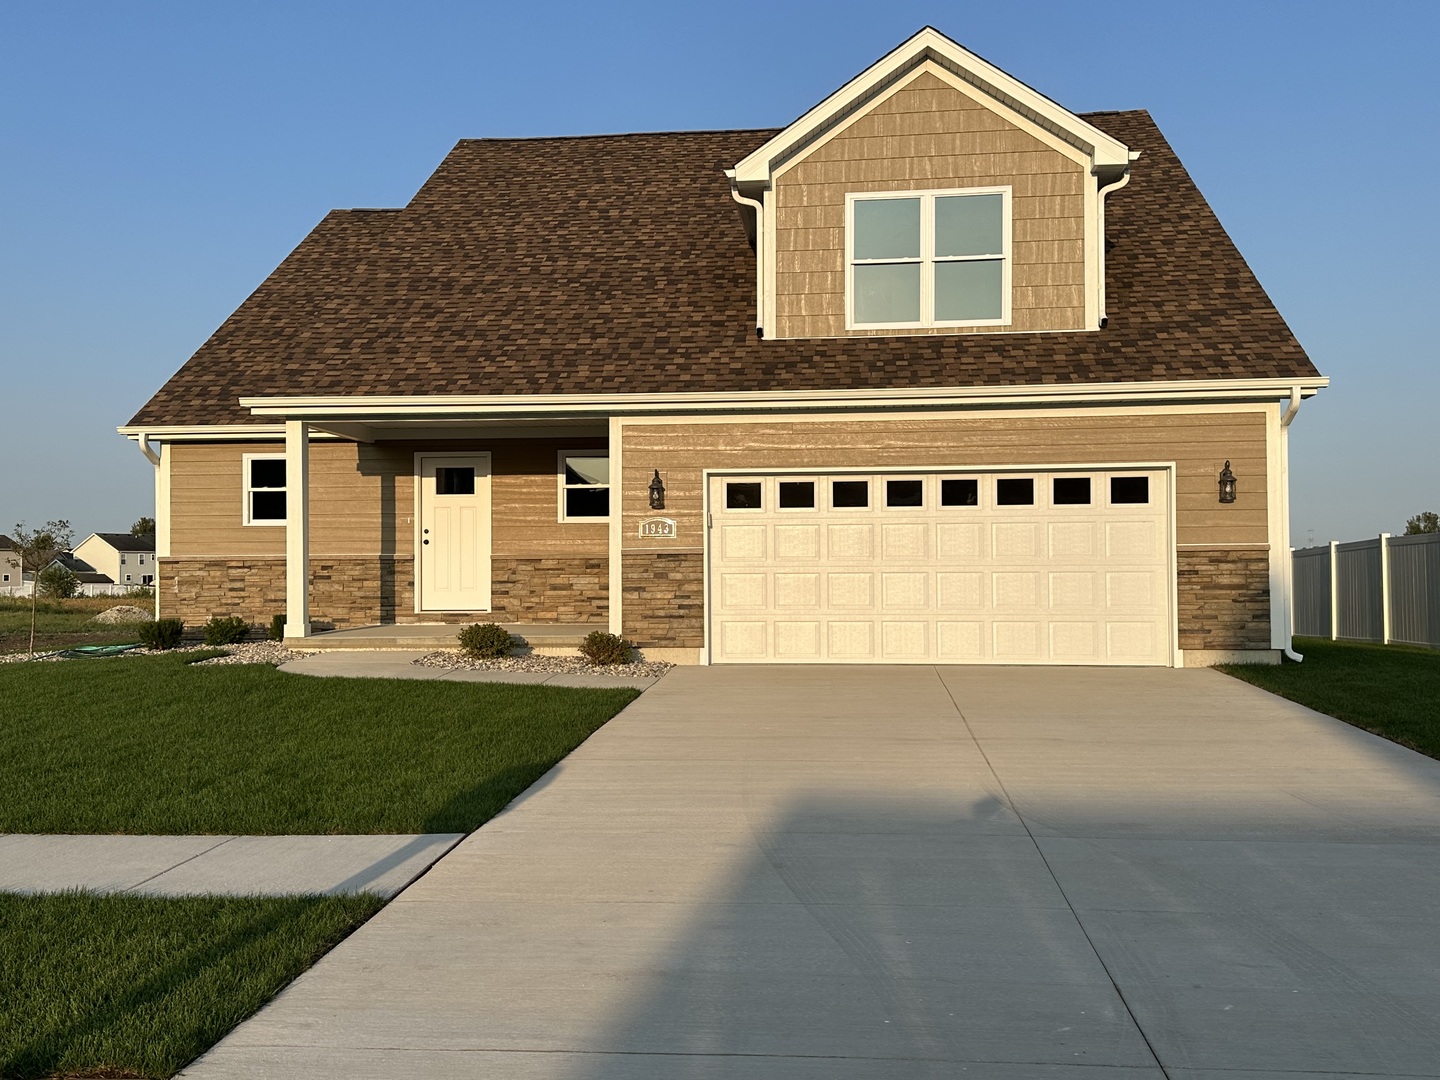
x=297, y=529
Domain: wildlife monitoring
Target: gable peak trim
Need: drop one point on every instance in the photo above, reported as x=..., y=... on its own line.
x=929, y=46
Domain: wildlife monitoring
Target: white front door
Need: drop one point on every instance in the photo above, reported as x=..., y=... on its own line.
x=454, y=532
x=1014, y=567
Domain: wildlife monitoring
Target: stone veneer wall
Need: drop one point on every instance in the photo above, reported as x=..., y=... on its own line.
x=554, y=589
x=364, y=590
x=1224, y=596
x=663, y=602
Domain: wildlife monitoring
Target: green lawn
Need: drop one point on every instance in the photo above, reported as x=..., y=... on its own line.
x=139, y=986
x=153, y=745
x=1391, y=690
x=62, y=623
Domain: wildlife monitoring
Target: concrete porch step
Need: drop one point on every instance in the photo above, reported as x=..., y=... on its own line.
x=431, y=636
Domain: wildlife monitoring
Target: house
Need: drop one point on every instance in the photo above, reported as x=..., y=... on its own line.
x=125, y=558
x=940, y=372
x=12, y=576
x=92, y=581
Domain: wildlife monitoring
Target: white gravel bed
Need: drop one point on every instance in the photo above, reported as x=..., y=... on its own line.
x=549, y=665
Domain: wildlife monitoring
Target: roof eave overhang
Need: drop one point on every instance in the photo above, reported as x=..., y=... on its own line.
x=1105, y=151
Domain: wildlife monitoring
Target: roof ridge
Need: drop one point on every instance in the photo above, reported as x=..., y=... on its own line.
x=614, y=135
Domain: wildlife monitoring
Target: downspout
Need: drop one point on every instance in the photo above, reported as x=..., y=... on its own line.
x=759, y=208
x=1106, y=189
x=1286, y=418
x=153, y=456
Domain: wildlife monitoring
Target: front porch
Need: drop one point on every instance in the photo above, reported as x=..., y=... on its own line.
x=544, y=638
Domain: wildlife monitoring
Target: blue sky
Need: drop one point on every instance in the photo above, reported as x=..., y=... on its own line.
x=157, y=160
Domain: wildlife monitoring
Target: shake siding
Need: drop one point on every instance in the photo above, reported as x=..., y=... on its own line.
x=1199, y=444
x=930, y=135
x=363, y=500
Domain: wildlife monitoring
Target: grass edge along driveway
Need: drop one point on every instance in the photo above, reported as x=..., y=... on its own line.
x=141, y=985
x=1389, y=690
x=152, y=745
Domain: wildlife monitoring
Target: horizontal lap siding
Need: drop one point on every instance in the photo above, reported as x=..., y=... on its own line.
x=1198, y=443
x=930, y=135
x=363, y=499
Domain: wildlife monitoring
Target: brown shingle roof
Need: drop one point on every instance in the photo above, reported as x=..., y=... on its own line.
x=618, y=264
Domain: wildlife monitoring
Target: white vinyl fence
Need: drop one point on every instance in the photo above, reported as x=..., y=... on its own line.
x=1381, y=590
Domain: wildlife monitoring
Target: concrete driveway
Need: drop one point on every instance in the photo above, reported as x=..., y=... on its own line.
x=845, y=873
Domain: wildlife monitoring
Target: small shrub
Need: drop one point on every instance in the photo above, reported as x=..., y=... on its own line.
x=139, y=592
x=277, y=627
x=161, y=634
x=485, y=641
x=226, y=630
x=58, y=583
x=606, y=649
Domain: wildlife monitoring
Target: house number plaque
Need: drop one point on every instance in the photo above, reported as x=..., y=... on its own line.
x=658, y=528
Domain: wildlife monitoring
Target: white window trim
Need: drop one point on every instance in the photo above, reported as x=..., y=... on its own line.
x=927, y=256
x=245, y=490
x=562, y=486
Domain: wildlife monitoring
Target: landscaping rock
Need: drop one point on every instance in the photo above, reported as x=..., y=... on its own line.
x=123, y=613
x=549, y=665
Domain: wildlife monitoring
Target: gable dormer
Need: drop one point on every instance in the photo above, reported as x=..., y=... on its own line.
x=932, y=194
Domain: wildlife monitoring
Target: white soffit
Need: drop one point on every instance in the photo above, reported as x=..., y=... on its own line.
x=930, y=45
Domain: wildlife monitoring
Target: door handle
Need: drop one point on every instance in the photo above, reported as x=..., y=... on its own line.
x=424, y=541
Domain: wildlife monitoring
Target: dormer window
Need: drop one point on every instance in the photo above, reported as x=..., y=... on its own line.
x=928, y=258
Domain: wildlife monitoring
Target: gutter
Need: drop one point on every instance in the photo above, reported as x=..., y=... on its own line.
x=1106, y=189
x=759, y=208
x=470, y=406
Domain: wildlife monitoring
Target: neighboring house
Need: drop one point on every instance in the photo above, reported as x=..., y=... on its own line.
x=127, y=559
x=940, y=372
x=12, y=576
x=92, y=581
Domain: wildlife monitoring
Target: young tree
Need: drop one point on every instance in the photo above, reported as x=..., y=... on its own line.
x=1427, y=521
x=37, y=549
x=144, y=527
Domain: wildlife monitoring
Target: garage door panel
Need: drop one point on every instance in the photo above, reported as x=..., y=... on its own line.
x=960, y=590
x=798, y=542
x=738, y=592
x=960, y=641
x=960, y=540
x=851, y=640
x=1015, y=539
x=1074, y=642
x=904, y=640
x=743, y=542
x=850, y=541
x=1016, y=642
x=907, y=542
x=797, y=641
x=968, y=581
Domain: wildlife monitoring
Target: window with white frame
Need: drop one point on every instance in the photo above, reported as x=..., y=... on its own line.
x=929, y=258
x=264, y=489
x=584, y=487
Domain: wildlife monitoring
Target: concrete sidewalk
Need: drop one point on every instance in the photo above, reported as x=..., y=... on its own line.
x=225, y=865
x=398, y=664
x=911, y=874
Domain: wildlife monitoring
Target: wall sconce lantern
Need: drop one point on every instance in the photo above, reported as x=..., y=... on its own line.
x=1227, y=484
x=657, y=492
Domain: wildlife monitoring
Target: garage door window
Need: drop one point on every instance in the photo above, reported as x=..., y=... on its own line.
x=901, y=493
x=1071, y=491
x=1015, y=491
x=743, y=495
x=797, y=494
x=959, y=492
x=1129, y=490
x=850, y=494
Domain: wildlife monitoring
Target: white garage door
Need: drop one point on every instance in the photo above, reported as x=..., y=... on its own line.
x=998, y=568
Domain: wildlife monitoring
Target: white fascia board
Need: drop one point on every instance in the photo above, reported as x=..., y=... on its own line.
x=461, y=406
x=1005, y=88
